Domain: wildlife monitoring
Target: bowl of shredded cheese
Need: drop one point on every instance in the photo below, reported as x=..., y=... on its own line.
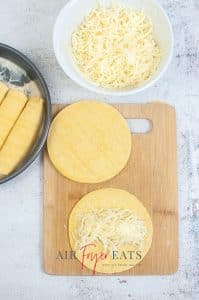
x=113, y=47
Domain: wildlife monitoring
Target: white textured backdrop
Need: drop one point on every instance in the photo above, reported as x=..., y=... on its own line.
x=27, y=25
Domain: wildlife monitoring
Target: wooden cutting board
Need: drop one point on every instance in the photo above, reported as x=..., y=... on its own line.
x=151, y=174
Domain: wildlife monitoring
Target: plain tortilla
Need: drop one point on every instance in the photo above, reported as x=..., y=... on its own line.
x=89, y=142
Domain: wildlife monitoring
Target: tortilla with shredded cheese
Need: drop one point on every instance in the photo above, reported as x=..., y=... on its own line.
x=117, y=224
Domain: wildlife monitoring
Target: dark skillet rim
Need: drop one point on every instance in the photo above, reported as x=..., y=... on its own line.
x=19, y=57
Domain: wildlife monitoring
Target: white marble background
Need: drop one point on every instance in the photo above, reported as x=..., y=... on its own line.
x=27, y=25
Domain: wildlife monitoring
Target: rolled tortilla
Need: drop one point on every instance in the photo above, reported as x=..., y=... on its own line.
x=22, y=136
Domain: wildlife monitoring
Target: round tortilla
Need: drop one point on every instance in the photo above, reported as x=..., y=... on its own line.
x=111, y=198
x=89, y=142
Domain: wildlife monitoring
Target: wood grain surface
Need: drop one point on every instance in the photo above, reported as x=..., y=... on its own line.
x=151, y=174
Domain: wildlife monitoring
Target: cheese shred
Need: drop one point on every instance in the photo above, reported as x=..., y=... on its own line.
x=115, y=48
x=112, y=228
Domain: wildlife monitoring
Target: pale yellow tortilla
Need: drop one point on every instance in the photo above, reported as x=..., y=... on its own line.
x=104, y=199
x=3, y=91
x=10, y=110
x=89, y=142
x=22, y=136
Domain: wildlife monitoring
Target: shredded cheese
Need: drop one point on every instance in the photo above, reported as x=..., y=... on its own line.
x=115, y=47
x=112, y=228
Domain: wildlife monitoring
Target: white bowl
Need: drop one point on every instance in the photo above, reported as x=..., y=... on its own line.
x=71, y=17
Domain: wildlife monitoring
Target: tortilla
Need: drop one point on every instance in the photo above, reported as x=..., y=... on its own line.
x=10, y=110
x=89, y=142
x=22, y=136
x=127, y=255
x=3, y=91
